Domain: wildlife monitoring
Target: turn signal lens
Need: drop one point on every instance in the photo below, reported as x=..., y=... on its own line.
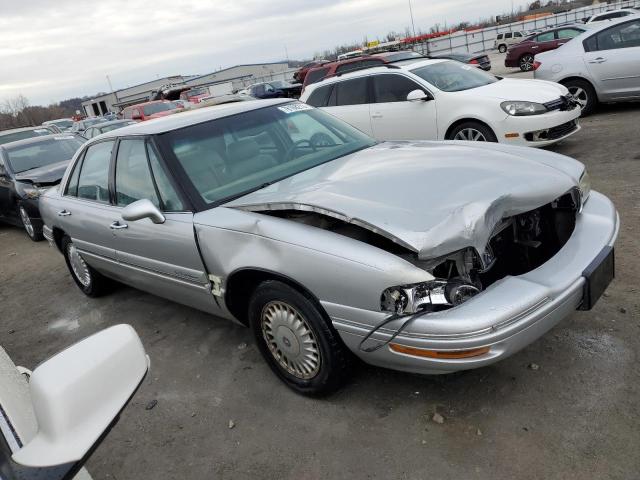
x=511, y=135
x=536, y=65
x=449, y=354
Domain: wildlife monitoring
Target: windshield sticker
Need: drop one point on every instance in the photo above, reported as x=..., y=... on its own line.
x=295, y=107
x=65, y=137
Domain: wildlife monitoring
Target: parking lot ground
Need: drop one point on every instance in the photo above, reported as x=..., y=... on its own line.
x=566, y=407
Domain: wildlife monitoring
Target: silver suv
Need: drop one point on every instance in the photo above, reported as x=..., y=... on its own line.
x=504, y=40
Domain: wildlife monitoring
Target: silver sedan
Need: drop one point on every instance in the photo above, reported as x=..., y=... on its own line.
x=418, y=256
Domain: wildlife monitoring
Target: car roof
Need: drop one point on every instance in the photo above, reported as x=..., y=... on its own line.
x=41, y=138
x=22, y=129
x=192, y=117
x=373, y=70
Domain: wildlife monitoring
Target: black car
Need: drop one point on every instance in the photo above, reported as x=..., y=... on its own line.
x=480, y=59
x=274, y=89
x=27, y=168
x=16, y=134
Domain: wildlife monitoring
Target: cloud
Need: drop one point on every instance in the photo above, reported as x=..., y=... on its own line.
x=50, y=51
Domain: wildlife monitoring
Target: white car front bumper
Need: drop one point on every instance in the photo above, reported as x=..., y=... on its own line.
x=538, y=130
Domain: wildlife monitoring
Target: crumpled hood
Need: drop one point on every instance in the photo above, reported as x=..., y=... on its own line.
x=431, y=197
x=539, y=91
x=46, y=175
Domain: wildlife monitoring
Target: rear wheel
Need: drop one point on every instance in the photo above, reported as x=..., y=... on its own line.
x=502, y=48
x=472, y=132
x=92, y=283
x=296, y=340
x=33, y=229
x=583, y=93
x=526, y=62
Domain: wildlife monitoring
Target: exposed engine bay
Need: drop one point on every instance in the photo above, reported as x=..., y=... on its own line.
x=518, y=244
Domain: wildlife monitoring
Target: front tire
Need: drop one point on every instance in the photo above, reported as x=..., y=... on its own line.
x=584, y=93
x=526, y=62
x=472, y=132
x=33, y=229
x=92, y=283
x=502, y=48
x=296, y=340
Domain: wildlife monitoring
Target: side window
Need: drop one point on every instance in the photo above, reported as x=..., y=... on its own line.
x=169, y=197
x=133, y=177
x=393, y=88
x=269, y=88
x=72, y=186
x=568, y=33
x=545, y=37
x=316, y=75
x=624, y=35
x=507, y=35
x=500, y=35
x=93, y=183
x=320, y=96
x=352, y=92
x=517, y=34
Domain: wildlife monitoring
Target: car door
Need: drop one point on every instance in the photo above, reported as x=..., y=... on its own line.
x=395, y=118
x=349, y=101
x=544, y=42
x=161, y=258
x=84, y=211
x=612, y=57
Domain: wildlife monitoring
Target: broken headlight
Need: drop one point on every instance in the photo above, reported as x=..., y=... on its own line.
x=520, y=109
x=408, y=299
x=584, y=185
x=33, y=192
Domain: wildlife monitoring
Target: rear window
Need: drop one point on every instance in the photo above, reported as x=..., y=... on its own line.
x=316, y=75
x=47, y=152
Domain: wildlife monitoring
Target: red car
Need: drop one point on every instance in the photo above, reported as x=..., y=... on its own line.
x=301, y=73
x=150, y=110
x=336, y=68
x=195, y=95
x=522, y=54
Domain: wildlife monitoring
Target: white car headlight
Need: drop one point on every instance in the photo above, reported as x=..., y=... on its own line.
x=519, y=109
x=584, y=185
x=408, y=299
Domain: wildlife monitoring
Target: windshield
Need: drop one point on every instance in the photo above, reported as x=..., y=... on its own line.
x=454, y=76
x=229, y=157
x=46, y=152
x=152, y=108
x=15, y=136
x=398, y=57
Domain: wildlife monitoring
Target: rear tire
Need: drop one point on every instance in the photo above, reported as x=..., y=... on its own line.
x=33, y=229
x=296, y=340
x=92, y=283
x=472, y=131
x=584, y=93
x=502, y=48
x=526, y=62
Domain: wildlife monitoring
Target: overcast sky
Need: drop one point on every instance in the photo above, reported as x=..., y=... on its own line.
x=51, y=50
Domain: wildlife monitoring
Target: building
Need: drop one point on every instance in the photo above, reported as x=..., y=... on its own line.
x=240, y=76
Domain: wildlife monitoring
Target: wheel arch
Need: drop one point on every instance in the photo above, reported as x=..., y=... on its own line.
x=581, y=78
x=460, y=121
x=242, y=283
x=58, y=235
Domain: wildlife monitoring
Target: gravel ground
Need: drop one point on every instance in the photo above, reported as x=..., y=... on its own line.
x=574, y=416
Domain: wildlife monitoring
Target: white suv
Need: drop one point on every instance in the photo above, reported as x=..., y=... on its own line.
x=447, y=100
x=504, y=40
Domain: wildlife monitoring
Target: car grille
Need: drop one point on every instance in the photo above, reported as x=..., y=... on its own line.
x=565, y=102
x=562, y=130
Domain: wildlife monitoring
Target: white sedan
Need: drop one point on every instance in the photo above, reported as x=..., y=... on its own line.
x=447, y=100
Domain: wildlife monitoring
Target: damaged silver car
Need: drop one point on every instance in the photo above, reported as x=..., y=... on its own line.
x=426, y=257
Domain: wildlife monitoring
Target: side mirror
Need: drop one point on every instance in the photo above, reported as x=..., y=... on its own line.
x=418, y=95
x=142, y=209
x=78, y=394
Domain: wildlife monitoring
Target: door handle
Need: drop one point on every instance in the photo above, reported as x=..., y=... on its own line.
x=598, y=60
x=534, y=47
x=376, y=115
x=64, y=213
x=118, y=226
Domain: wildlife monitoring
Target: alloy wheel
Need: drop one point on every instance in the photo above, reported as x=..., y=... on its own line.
x=470, y=134
x=290, y=340
x=26, y=221
x=580, y=95
x=78, y=265
x=526, y=63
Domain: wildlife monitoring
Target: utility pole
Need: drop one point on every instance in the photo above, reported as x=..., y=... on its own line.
x=413, y=26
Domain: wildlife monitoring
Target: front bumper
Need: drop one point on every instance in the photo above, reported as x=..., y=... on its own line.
x=525, y=127
x=506, y=317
